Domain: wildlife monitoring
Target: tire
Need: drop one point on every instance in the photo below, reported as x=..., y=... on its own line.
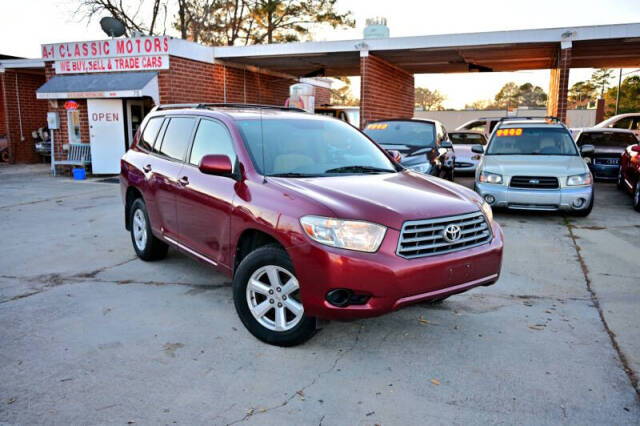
x=146, y=245
x=636, y=197
x=5, y=156
x=587, y=211
x=620, y=182
x=266, y=308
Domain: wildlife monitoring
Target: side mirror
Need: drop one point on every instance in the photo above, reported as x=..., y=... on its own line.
x=397, y=157
x=446, y=144
x=635, y=148
x=219, y=165
x=587, y=150
x=478, y=149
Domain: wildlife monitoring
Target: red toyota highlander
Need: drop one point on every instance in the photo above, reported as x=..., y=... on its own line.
x=310, y=217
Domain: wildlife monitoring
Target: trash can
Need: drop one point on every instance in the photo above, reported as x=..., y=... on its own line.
x=79, y=174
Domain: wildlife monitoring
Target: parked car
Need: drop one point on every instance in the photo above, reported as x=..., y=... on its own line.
x=629, y=175
x=466, y=160
x=534, y=164
x=308, y=215
x=348, y=114
x=609, y=146
x=422, y=144
x=484, y=125
x=629, y=121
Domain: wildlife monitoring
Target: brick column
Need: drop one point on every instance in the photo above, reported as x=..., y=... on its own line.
x=559, y=85
x=599, y=110
x=386, y=90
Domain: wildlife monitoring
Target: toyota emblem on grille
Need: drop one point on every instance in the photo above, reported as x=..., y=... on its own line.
x=451, y=233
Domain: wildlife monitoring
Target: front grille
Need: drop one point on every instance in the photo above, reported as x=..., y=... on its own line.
x=607, y=161
x=420, y=238
x=535, y=182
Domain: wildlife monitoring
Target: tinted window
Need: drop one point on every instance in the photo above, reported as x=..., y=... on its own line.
x=531, y=141
x=476, y=126
x=176, y=137
x=311, y=147
x=211, y=137
x=150, y=133
x=466, y=138
x=609, y=139
x=413, y=133
x=624, y=123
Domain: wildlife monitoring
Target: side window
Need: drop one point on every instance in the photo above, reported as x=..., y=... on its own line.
x=177, y=137
x=150, y=133
x=636, y=124
x=476, y=126
x=212, y=137
x=439, y=134
x=624, y=123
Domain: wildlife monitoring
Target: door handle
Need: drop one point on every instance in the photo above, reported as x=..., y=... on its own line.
x=147, y=168
x=184, y=181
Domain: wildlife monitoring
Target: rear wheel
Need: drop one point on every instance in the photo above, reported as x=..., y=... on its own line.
x=146, y=245
x=266, y=294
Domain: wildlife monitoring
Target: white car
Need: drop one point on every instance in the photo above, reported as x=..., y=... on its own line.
x=629, y=121
x=534, y=164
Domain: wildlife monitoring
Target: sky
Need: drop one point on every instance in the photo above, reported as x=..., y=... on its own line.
x=25, y=24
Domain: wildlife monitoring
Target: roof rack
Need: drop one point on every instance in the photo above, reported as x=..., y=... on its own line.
x=546, y=117
x=225, y=105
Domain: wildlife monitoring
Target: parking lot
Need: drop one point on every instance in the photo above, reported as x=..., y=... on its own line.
x=90, y=334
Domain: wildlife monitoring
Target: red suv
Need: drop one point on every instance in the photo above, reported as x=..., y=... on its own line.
x=310, y=217
x=629, y=173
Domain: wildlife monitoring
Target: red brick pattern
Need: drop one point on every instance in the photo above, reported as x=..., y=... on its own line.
x=559, y=86
x=3, y=119
x=19, y=88
x=386, y=91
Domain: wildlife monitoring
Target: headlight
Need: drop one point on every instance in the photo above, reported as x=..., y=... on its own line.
x=583, y=179
x=346, y=234
x=421, y=168
x=486, y=209
x=486, y=177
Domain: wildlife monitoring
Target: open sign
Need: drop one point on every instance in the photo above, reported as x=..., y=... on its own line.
x=71, y=105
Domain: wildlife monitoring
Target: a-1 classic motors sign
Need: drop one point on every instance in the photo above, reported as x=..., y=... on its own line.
x=112, y=55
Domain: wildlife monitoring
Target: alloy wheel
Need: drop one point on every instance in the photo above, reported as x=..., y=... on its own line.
x=273, y=296
x=140, y=229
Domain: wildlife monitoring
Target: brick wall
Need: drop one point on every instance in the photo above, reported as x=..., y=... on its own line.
x=19, y=88
x=3, y=118
x=322, y=95
x=386, y=91
x=559, y=86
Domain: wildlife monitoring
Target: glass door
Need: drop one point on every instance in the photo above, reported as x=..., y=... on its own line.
x=135, y=115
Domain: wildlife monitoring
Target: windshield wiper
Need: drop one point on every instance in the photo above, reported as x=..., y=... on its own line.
x=359, y=169
x=293, y=174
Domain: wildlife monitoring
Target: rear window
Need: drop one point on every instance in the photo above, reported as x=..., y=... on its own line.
x=176, y=137
x=607, y=139
x=531, y=141
x=466, y=138
x=411, y=133
x=150, y=133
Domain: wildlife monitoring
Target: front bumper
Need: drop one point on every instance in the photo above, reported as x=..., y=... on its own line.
x=390, y=281
x=536, y=199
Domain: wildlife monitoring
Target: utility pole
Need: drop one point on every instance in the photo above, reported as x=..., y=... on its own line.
x=618, y=94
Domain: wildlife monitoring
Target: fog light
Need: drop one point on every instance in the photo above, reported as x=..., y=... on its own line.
x=490, y=198
x=579, y=203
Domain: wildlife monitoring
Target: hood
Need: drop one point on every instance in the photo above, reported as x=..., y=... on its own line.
x=534, y=165
x=389, y=199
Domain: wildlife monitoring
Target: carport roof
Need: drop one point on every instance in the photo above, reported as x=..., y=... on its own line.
x=592, y=46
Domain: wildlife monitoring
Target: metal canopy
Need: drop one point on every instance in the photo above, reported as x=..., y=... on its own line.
x=592, y=46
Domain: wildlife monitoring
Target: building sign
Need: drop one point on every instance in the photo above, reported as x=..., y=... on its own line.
x=111, y=55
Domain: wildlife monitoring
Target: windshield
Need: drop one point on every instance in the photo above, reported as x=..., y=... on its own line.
x=607, y=139
x=412, y=133
x=306, y=147
x=466, y=138
x=531, y=141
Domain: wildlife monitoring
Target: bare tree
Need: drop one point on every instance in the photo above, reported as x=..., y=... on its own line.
x=137, y=16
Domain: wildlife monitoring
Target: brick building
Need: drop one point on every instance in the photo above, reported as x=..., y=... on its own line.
x=102, y=90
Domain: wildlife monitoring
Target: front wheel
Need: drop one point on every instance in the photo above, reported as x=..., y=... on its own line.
x=266, y=294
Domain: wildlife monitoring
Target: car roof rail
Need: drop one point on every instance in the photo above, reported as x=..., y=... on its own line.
x=224, y=105
x=530, y=117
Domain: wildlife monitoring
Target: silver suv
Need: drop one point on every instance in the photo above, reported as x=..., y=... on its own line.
x=534, y=164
